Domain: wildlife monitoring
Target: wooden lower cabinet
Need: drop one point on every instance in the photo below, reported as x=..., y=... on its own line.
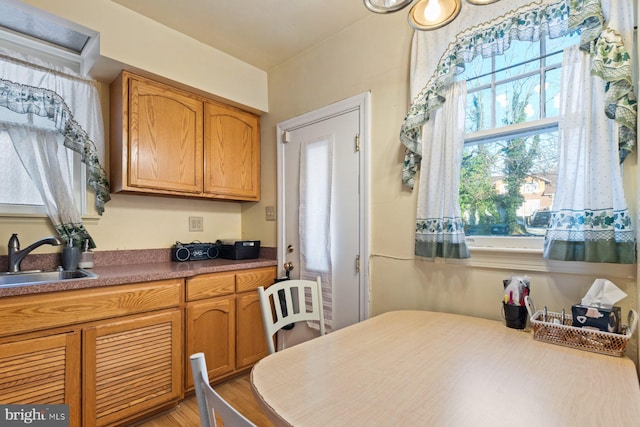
x=44, y=370
x=227, y=328
x=211, y=329
x=250, y=343
x=132, y=366
x=112, y=353
x=119, y=353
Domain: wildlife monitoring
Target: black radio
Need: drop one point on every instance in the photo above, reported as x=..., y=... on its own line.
x=194, y=251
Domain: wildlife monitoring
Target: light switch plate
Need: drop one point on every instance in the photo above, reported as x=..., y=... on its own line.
x=270, y=213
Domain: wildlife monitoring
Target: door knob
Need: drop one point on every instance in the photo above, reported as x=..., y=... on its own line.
x=288, y=266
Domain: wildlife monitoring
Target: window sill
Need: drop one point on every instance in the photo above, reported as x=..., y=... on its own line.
x=11, y=218
x=528, y=259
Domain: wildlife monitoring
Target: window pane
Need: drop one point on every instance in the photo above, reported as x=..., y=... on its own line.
x=518, y=101
x=507, y=186
x=19, y=189
x=558, y=44
x=477, y=73
x=552, y=92
x=478, y=116
x=513, y=62
x=315, y=208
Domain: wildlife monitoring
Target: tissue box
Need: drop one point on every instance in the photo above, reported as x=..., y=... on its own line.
x=600, y=318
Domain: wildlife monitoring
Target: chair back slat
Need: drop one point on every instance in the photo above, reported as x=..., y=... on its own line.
x=275, y=300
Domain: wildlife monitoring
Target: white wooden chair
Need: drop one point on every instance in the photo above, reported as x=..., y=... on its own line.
x=211, y=403
x=294, y=309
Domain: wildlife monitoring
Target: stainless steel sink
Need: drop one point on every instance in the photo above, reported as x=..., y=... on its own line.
x=23, y=278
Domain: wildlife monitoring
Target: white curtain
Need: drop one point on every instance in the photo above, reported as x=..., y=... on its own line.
x=47, y=162
x=66, y=108
x=316, y=181
x=40, y=81
x=437, y=56
x=439, y=230
x=589, y=220
x=605, y=32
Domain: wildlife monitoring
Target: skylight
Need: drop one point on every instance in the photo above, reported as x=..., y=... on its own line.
x=26, y=28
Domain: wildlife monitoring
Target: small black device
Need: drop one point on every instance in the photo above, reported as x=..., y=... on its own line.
x=243, y=249
x=194, y=251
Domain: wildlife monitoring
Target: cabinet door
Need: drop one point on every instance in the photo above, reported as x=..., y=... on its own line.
x=131, y=366
x=232, y=153
x=42, y=371
x=165, y=138
x=210, y=328
x=251, y=345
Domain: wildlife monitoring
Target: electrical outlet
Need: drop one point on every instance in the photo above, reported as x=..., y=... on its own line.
x=270, y=213
x=196, y=223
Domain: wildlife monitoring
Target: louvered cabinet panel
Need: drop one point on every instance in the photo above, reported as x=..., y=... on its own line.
x=42, y=371
x=132, y=366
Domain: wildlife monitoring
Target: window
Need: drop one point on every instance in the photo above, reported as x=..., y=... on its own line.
x=27, y=29
x=18, y=193
x=50, y=42
x=509, y=163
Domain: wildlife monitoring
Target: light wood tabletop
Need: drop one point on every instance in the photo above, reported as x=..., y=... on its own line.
x=420, y=368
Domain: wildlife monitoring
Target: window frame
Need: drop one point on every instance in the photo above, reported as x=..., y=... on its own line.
x=525, y=244
x=48, y=46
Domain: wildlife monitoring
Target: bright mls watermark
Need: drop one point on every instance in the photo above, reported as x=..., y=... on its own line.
x=34, y=415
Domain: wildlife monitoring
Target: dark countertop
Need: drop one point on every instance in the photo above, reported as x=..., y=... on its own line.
x=110, y=275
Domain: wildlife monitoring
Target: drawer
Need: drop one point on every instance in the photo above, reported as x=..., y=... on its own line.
x=44, y=311
x=210, y=285
x=250, y=280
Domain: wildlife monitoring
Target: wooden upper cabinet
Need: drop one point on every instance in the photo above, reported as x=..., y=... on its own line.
x=232, y=152
x=165, y=140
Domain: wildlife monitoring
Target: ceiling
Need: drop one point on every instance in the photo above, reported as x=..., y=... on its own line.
x=264, y=33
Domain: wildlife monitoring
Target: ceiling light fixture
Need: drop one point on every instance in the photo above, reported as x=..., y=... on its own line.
x=424, y=14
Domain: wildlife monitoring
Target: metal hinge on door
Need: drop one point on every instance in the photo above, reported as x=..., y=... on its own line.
x=357, y=263
x=286, y=137
x=357, y=142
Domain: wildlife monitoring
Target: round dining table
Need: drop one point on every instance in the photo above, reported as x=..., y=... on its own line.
x=421, y=368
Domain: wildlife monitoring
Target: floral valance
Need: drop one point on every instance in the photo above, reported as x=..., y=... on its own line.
x=46, y=103
x=611, y=62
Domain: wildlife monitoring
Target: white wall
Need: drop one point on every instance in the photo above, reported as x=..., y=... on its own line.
x=128, y=38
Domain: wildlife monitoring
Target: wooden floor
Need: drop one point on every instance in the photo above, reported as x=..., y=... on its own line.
x=236, y=391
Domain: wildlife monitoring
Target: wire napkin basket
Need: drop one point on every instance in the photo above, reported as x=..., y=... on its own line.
x=549, y=327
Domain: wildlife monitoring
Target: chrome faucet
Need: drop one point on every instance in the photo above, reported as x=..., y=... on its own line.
x=16, y=255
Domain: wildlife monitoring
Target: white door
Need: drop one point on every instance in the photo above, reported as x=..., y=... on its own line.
x=335, y=134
